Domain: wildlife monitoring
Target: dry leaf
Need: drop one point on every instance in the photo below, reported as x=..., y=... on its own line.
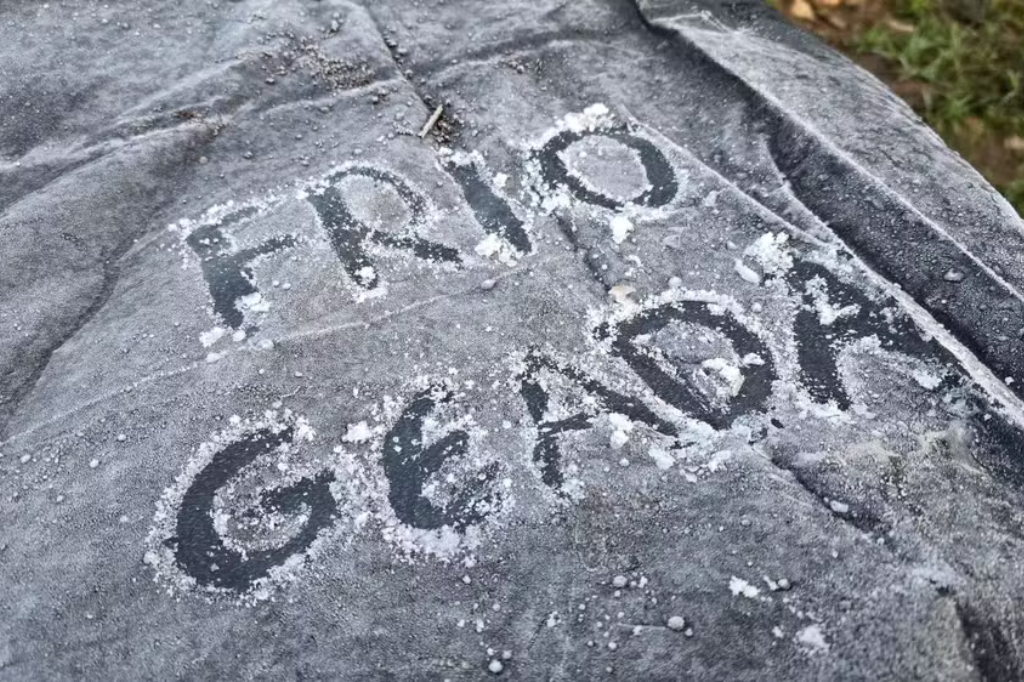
x=836, y=20
x=899, y=26
x=802, y=10
x=1014, y=143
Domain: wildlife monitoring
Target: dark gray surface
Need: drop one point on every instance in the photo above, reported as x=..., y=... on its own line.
x=672, y=298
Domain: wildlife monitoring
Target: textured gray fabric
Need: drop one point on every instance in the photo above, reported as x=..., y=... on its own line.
x=676, y=348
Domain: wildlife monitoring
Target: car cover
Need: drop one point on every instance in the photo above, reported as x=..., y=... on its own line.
x=438, y=339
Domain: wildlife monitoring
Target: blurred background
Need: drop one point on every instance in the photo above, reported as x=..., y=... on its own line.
x=958, y=63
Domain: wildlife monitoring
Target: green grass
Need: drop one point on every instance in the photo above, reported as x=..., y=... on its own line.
x=968, y=57
x=1014, y=192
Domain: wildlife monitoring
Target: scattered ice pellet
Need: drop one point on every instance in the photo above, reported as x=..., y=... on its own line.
x=495, y=666
x=677, y=623
x=621, y=227
x=488, y=284
x=620, y=581
x=121, y=438
x=93, y=463
x=746, y=273
x=838, y=507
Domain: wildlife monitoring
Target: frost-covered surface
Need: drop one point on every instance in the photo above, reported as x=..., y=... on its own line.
x=599, y=388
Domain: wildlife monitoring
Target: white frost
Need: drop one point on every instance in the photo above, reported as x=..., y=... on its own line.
x=592, y=117
x=739, y=586
x=718, y=459
x=254, y=302
x=208, y=338
x=358, y=433
x=728, y=371
x=663, y=459
x=770, y=253
x=494, y=246
x=812, y=638
x=622, y=427
x=927, y=379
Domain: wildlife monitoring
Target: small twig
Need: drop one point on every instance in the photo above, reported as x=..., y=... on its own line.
x=432, y=121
